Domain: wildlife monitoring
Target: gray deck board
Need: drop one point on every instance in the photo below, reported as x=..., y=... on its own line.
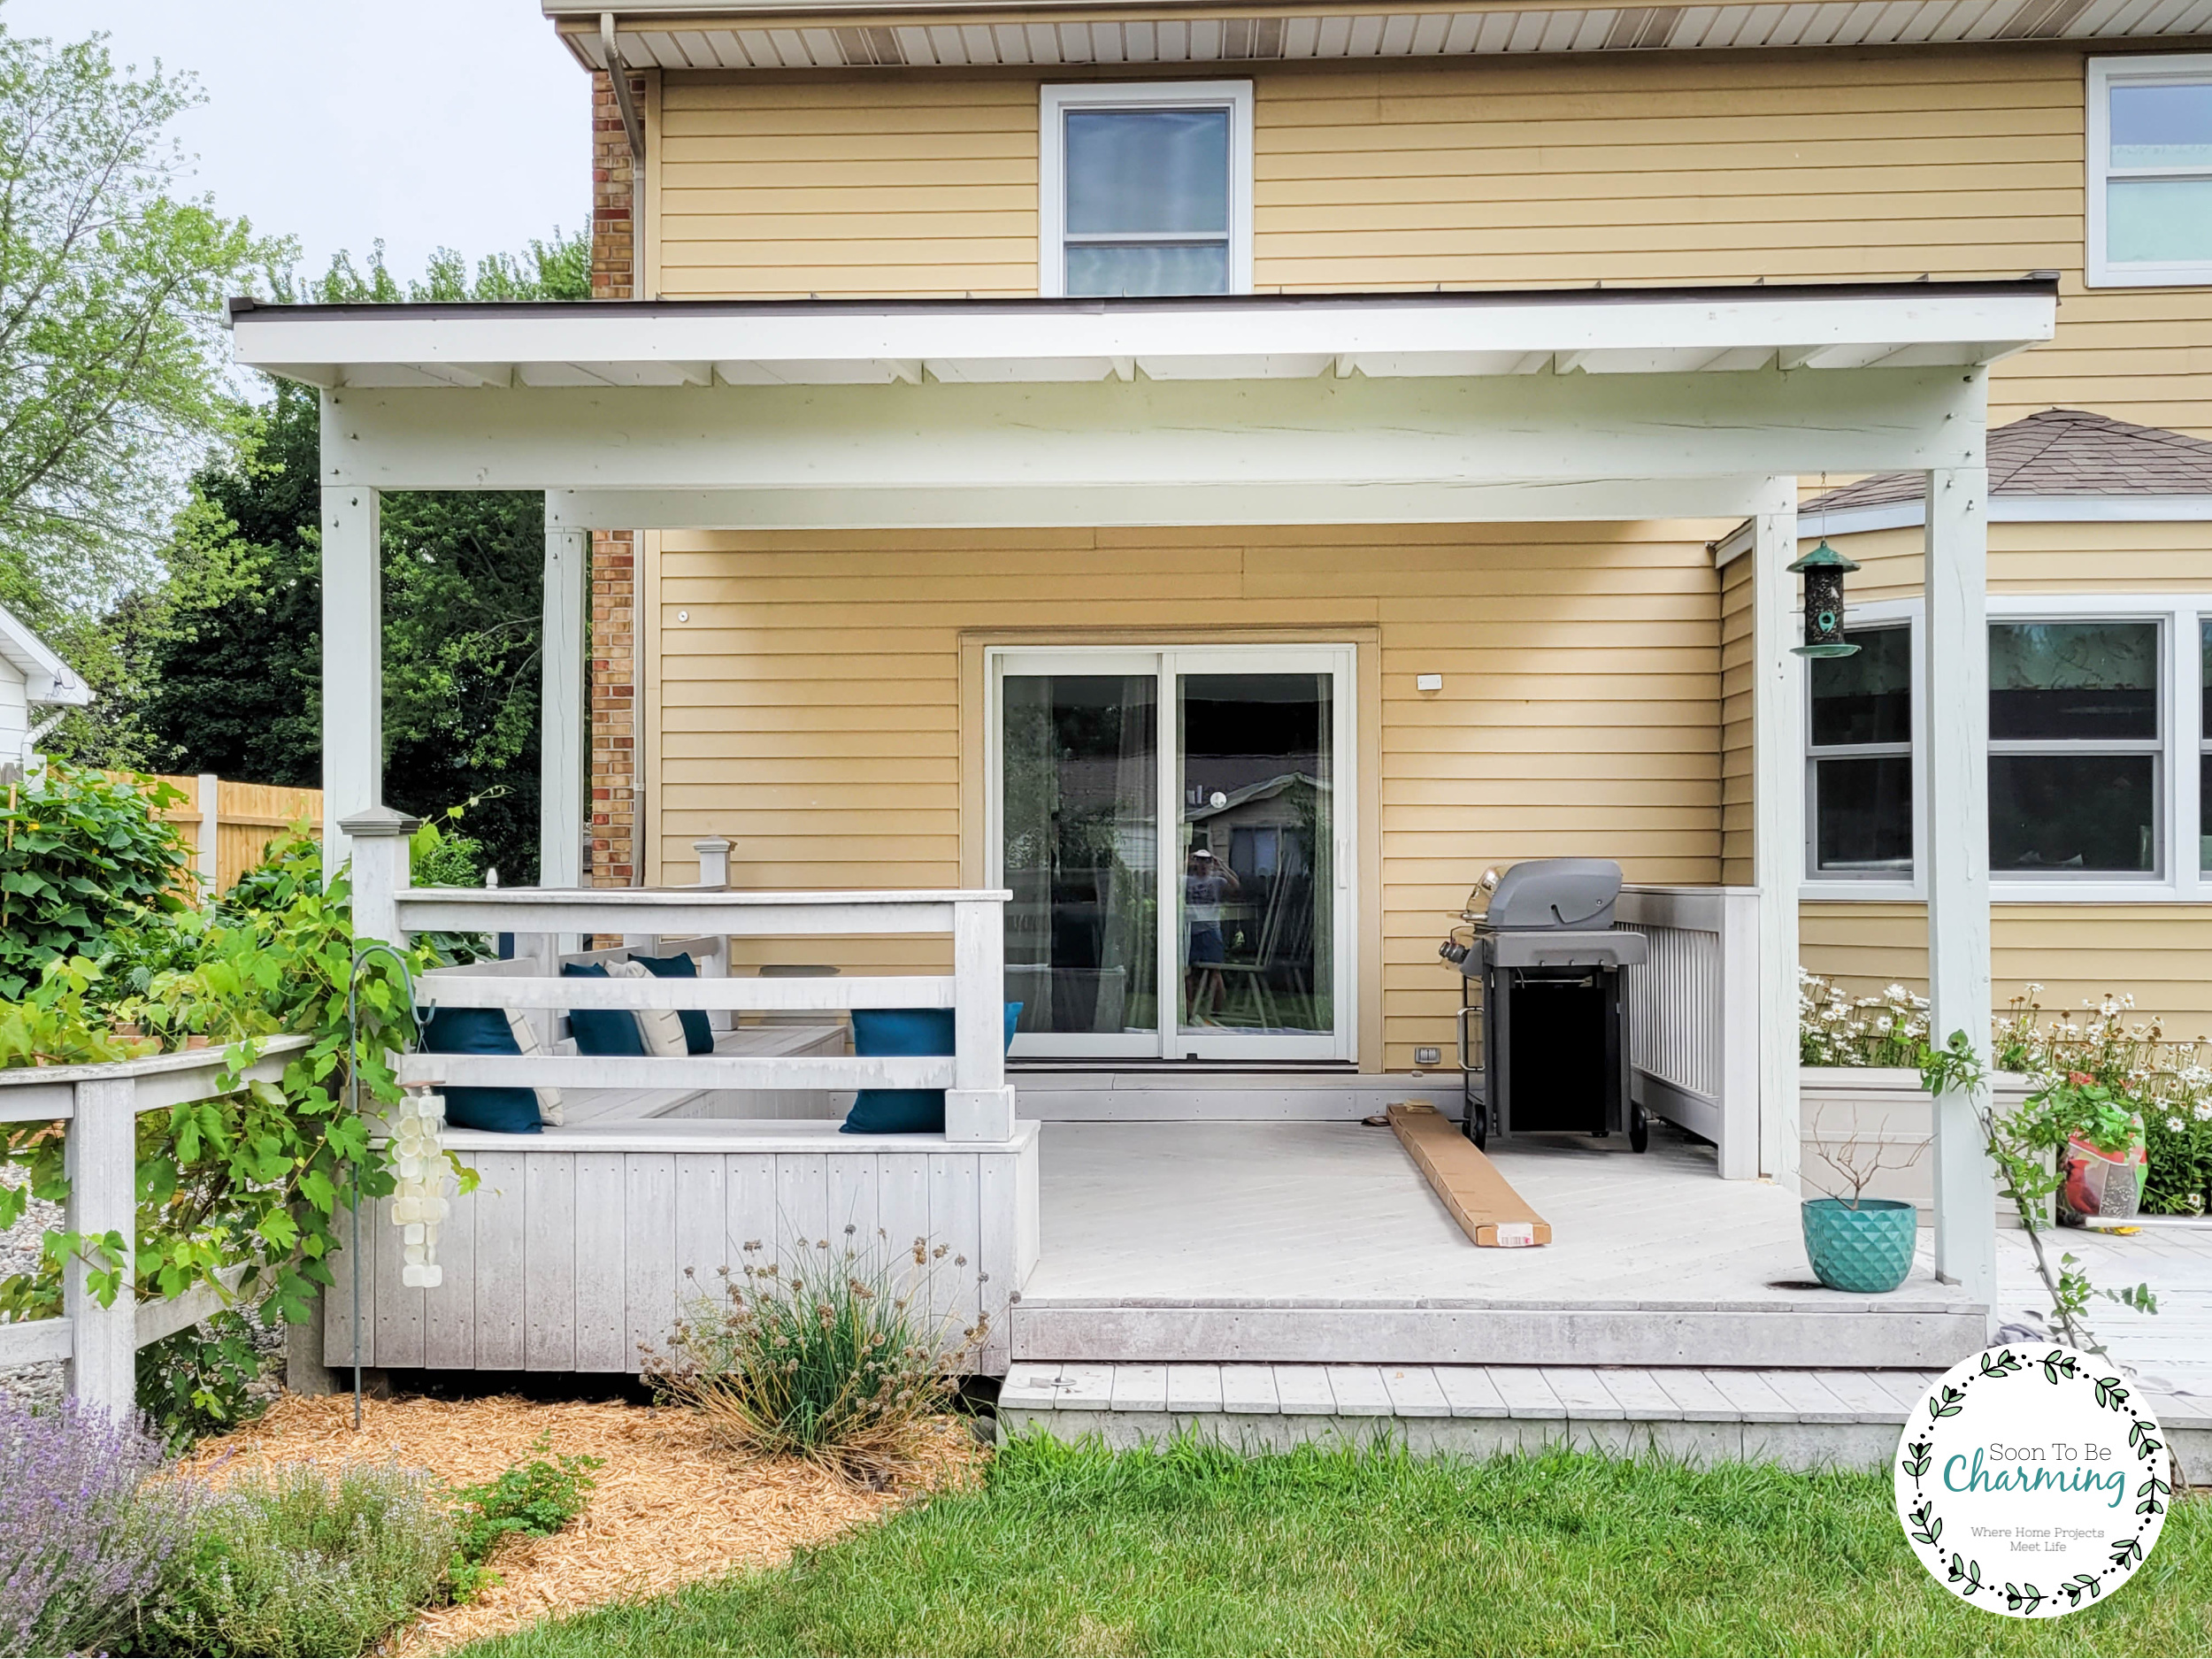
x=1414, y=1392
x=1525, y=1392
x=1194, y=1388
x=1304, y=1390
x=1358, y=1391
x=1581, y=1391
x=1250, y=1390
x=1469, y=1391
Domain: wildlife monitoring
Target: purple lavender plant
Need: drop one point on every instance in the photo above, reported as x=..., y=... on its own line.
x=83, y=1534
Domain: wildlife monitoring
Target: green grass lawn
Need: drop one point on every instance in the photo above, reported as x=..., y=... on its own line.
x=1196, y=1552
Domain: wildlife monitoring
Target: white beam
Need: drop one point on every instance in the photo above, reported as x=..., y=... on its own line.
x=353, y=660
x=1956, y=671
x=562, y=785
x=1354, y=434
x=1778, y=784
x=1013, y=506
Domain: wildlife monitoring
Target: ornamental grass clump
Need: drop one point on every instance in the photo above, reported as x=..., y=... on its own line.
x=292, y=1560
x=849, y=1358
x=84, y=1534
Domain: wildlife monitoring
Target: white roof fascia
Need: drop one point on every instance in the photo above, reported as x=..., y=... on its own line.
x=699, y=343
x=1905, y=515
x=47, y=679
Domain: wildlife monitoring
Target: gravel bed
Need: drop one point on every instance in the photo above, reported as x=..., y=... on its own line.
x=40, y=1383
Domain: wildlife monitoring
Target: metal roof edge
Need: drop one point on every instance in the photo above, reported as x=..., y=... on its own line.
x=2033, y=286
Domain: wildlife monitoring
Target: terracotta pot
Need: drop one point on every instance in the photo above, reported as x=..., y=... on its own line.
x=191, y=1043
x=1868, y=1249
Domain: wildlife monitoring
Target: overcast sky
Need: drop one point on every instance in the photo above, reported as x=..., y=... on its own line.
x=429, y=123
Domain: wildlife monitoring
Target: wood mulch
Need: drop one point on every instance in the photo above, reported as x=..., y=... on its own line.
x=668, y=1509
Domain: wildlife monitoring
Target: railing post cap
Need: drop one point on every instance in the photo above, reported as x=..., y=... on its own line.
x=379, y=821
x=711, y=844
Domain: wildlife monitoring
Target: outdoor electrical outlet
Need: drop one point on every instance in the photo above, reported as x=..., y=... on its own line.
x=1427, y=1056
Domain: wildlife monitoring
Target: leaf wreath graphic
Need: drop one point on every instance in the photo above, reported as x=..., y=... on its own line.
x=2150, y=1492
x=2140, y=1437
x=2110, y=1394
x=2075, y=1587
x=2125, y=1550
x=2056, y=1365
x=2006, y=1364
x=1916, y=1464
x=2023, y=1598
x=1970, y=1570
x=1927, y=1525
x=1949, y=1403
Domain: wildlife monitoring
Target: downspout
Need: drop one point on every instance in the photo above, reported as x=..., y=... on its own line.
x=617, y=75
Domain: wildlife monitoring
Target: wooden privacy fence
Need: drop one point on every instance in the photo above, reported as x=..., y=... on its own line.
x=98, y=1108
x=230, y=841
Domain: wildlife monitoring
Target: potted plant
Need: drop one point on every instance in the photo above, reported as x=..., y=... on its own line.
x=2104, y=1146
x=1858, y=1244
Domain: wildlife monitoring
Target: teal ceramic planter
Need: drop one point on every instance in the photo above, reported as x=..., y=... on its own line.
x=1868, y=1249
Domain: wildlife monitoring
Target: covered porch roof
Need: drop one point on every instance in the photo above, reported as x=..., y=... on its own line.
x=1364, y=407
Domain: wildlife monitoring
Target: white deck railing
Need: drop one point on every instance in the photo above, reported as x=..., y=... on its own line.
x=98, y=1106
x=979, y=1102
x=1693, y=1008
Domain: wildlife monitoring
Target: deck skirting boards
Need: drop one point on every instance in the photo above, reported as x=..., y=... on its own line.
x=1802, y=1419
x=1881, y=1336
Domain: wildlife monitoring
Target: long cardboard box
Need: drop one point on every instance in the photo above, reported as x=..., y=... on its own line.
x=1482, y=1200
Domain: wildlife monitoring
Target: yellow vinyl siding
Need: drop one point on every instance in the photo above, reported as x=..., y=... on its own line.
x=2077, y=953
x=783, y=186
x=2040, y=558
x=1624, y=168
x=811, y=707
x=1735, y=722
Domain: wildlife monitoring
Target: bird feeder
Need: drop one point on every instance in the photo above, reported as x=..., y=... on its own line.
x=1823, y=570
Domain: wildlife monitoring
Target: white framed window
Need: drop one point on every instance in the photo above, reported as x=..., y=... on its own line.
x=1859, y=758
x=2149, y=199
x=2099, y=751
x=1145, y=189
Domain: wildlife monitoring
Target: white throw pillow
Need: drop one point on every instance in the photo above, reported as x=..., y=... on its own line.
x=661, y=1029
x=525, y=1036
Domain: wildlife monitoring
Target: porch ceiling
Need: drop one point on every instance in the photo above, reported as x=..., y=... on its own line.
x=751, y=343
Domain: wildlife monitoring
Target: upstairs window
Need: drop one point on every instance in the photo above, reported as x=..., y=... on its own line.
x=2150, y=171
x=1145, y=189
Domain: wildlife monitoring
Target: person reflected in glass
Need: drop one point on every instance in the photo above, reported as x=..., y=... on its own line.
x=1207, y=885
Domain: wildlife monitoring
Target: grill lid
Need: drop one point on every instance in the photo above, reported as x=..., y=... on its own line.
x=1555, y=893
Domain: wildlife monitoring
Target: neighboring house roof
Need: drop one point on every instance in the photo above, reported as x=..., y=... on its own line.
x=2059, y=452
x=46, y=677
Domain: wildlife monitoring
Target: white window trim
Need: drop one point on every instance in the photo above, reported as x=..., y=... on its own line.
x=1827, y=884
x=2181, y=706
x=1054, y=102
x=2103, y=72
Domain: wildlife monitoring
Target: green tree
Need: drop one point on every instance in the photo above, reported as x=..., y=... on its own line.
x=234, y=682
x=112, y=291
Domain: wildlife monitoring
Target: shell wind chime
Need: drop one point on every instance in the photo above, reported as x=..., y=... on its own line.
x=420, y=1204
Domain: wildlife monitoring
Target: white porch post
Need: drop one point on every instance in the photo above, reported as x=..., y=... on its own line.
x=561, y=782
x=1778, y=773
x=353, y=664
x=1955, y=673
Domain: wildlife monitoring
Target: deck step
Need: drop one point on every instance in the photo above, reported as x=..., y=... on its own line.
x=1803, y=1418
x=1891, y=1334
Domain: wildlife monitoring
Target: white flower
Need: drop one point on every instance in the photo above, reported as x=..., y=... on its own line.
x=2203, y=1112
x=2174, y=1125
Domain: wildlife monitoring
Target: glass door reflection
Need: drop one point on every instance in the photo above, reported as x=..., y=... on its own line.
x=1079, y=849
x=1257, y=896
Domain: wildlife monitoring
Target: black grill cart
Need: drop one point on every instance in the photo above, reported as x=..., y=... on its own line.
x=1542, y=968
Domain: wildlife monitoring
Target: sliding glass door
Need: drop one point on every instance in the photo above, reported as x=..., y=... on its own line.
x=1226, y=937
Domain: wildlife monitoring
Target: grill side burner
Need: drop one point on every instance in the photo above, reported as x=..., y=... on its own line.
x=1543, y=970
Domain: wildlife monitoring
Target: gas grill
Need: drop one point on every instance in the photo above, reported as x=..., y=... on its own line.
x=1541, y=965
